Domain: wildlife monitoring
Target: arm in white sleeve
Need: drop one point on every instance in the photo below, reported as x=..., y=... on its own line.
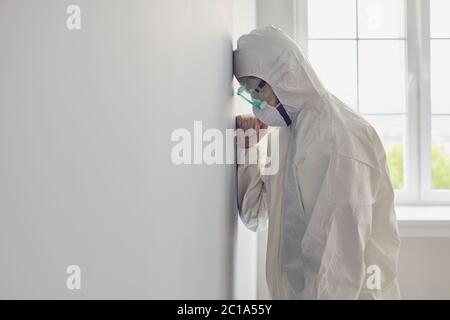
x=251, y=192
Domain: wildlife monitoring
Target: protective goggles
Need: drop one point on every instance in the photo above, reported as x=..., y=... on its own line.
x=246, y=94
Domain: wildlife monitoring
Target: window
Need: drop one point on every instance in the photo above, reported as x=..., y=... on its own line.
x=440, y=95
x=389, y=60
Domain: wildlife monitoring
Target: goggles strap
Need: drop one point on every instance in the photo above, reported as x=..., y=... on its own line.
x=260, y=86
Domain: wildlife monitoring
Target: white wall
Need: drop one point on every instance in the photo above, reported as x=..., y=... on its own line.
x=424, y=268
x=280, y=13
x=85, y=172
x=245, y=258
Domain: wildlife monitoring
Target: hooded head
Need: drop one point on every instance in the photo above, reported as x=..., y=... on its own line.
x=271, y=55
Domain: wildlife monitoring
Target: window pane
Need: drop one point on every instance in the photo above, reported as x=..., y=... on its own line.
x=335, y=64
x=440, y=137
x=332, y=19
x=440, y=23
x=381, y=18
x=440, y=71
x=391, y=131
x=382, y=76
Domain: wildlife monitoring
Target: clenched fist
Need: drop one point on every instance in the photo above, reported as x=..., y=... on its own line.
x=246, y=122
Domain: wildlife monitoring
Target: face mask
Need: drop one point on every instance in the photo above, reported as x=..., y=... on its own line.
x=274, y=117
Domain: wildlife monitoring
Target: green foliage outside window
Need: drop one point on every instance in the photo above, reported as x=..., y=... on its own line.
x=440, y=167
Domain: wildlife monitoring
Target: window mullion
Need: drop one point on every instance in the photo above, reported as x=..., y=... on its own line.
x=425, y=102
x=301, y=24
x=358, y=107
x=411, y=193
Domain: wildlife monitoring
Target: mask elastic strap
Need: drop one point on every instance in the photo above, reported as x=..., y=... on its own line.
x=284, y=114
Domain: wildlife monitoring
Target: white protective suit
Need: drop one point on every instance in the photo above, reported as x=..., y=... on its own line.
x=332, y=228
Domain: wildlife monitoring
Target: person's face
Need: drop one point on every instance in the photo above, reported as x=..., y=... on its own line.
x=266, y=94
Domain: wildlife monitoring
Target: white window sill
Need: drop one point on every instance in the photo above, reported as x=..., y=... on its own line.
x=424, y=221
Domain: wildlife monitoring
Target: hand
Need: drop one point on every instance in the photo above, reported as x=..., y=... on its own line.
x=246, y=122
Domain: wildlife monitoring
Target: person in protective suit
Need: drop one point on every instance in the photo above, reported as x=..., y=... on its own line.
x=329, y=209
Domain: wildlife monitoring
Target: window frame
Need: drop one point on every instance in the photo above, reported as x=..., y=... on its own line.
x=417, y=137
